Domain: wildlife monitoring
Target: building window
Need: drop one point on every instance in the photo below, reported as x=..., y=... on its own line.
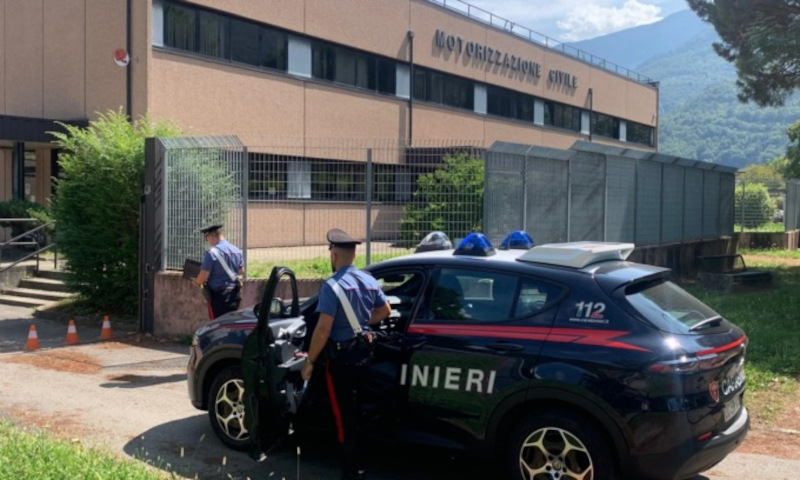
x=444, y=89
x=256, y=45
x=605, y=126
x=638, y=133
x=268, y=178
x=351, y=67
x=220, y=36
x=213, y=35
x=339, y=181
x=180, y=27
x=509, y=104
x=562, y=116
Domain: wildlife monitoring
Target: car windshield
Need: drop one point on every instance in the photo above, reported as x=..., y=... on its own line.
x=672, y=308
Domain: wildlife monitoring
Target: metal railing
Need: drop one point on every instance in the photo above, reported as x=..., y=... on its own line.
x=19, y=241
x=496, y=21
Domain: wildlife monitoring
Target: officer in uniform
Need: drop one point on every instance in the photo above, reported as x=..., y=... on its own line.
x=336, y=336
x=219, y=273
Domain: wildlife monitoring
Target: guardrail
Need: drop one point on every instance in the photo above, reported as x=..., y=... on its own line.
x=19, y=241
x=496, y=21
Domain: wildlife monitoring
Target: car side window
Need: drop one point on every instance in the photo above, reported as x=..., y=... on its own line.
x=402, y=288
x=473, y=295
x=533, y=296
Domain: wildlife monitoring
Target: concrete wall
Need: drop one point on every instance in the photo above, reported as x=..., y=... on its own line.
x=180, y=308
x=781, y=240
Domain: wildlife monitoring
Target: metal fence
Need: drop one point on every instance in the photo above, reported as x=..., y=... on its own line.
x=389, y=195
x=760, y=204
x=198, y=181
x=792, y=205
x=384, y=192
x=603, y=193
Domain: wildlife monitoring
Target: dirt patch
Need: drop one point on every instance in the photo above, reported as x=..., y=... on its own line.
x=64, y=427
x=60, y=361
x=780, y=436
x=790, y=262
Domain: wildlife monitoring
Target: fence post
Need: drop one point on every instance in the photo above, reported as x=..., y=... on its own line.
x=368, y=193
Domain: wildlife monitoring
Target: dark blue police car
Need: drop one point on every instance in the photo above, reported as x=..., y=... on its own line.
x=558, y=361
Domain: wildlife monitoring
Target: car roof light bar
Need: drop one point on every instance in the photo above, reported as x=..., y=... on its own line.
x=577, y=254
x=475, y=245
x=434, y=241
x=517, y=240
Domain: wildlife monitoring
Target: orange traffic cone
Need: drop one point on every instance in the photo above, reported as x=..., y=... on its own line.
x=105, y=333
x=33, y=339
x=72, y=334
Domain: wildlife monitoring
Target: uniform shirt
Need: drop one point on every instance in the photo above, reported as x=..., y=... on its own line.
x=218, y=278
x=364, y=294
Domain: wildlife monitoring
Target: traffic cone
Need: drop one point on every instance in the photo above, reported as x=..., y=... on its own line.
x=33, y=339
x=72, y=334
x=105, y=333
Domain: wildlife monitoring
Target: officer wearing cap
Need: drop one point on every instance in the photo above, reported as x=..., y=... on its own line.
x=334, y=335
x=222, y=264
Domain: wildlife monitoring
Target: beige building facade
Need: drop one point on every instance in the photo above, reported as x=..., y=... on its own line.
x=407, y=70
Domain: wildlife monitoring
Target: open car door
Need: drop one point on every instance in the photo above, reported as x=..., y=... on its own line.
x=271, y=364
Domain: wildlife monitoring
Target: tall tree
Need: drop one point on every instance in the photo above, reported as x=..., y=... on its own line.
x=762, y=39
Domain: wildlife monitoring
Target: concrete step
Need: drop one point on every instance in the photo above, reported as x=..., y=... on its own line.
x=23, y=301
x=39, y=283
x=51, y=295
x=52, y=274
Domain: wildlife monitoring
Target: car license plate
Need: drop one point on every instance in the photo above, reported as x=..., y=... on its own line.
x=732, y=407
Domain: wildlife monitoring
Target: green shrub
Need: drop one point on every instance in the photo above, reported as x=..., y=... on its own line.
x=96, y=206
x=753, y=205
x=449, y=199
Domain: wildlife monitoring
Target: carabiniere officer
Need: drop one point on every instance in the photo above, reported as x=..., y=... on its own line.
x=222, y=264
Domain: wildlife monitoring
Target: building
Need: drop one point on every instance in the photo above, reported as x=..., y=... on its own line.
x=409, y=70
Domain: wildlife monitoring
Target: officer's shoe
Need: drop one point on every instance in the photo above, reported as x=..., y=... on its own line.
x=358, y=475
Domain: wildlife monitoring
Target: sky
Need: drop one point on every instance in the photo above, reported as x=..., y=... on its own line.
x=573, y=20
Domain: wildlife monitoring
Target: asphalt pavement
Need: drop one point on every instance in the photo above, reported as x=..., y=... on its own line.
x=128, y=395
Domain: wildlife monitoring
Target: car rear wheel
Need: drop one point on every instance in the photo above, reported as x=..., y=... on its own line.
x=558, y=445
x=226, y=408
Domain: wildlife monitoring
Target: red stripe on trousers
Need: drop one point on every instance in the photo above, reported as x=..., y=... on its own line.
x=337, y=413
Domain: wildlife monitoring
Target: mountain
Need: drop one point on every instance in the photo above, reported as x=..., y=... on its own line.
x=650, y=40
x=700, y=115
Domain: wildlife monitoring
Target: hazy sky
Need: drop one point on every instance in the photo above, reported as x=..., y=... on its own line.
x=573, y=20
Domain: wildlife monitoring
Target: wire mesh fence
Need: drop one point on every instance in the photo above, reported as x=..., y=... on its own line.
x=385, y=193
x=760, y=205
x=279, y=197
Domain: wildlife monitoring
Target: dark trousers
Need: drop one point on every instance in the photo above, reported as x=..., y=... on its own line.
x=344, y=388
x=224, y=301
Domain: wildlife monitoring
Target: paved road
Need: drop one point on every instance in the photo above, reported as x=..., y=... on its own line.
x=129, y=395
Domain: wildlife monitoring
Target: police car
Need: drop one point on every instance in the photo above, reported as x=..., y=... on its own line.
x=556, y=361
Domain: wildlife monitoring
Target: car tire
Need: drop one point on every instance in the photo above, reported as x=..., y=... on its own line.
x=554, y=444
x=226, y=408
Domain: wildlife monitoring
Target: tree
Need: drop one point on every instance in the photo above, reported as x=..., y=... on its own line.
x=449, y=199
x=762, y=39
x=753, y=205
x=792, y=162
x=96, y=206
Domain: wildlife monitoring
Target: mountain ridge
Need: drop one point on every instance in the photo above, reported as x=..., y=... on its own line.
x=700, y=116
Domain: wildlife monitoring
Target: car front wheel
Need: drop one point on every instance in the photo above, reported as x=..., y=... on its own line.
x=556, y=445
x=226, y=408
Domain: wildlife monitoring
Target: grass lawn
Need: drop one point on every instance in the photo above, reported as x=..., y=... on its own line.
x=26, y=455
x=769, y=317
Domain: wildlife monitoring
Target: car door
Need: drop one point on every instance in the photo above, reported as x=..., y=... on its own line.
x=271, y=364
x=476, y=337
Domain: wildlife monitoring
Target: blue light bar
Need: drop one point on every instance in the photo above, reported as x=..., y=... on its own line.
x=476, y=245
x=517, y=240
x=434, y=241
